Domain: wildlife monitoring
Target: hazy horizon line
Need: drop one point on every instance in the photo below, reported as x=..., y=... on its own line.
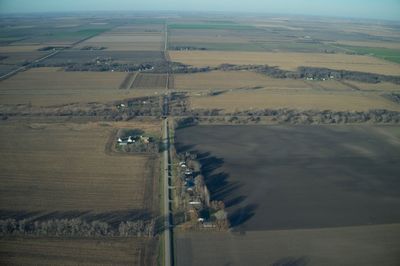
x=2, y=13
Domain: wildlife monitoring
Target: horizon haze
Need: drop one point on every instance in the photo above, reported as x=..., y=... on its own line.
x=382, y=10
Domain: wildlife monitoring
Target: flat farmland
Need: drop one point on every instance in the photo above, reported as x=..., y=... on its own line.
x=244, y=38
x=206, y=36
x=238, y=37
x=323, y=194
x=333, y=29
x=4, y=69
x=362, y=245
x=382, y=86
x=45, y=35
x=68, y=171
x=79, y=56
x=50, y=86
x=20, y=48
x=221, y=80
x=19, y=58
x=128, y=39
x=301, y=176
x=293, y=99
x=295, y=194
x=133, y=42
x=149, y=81
x=289, y=61
x=128, y=81
x=216, y=39
x=65, y=168
x=372, y=29
x=56, y=79
x=376, y=44
x=140, y=27
x=55, y=251
x=247, y=80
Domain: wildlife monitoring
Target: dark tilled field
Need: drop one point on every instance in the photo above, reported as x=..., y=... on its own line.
x=4, y=69
x=19, y=58
x=292, y=177
x=149, y=81
x=357, y=245
x=84, y=56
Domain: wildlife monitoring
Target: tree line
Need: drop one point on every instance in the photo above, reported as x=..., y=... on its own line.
x=136, y=107
x=290, y=116
x=76, y=228
x=302, y=72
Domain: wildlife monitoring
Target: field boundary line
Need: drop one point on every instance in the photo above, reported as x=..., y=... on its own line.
x=38, y=60
x=123, y=86
x=351, y=86
x=133, y=81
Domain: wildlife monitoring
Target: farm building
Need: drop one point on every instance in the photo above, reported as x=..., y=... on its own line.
x=124, y=141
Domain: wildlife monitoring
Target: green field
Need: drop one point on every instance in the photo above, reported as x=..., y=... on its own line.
x=392, y=55
x=78, y=34
x=250, y=47
x=50, y=34
x=211, y=26
x=256, y=46
x=296, y=46
x=8, y=39
x=148, y=21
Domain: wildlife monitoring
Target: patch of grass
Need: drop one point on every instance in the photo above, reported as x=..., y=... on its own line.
x=218, y=21
x=392, y=55
x=211, y=26
x=78, y=34
x=295, y=47
x=5, y=39
x=256, y=46
x=249, y=47
x=143, y=21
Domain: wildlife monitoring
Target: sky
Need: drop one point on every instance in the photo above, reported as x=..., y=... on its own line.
x=375, y=9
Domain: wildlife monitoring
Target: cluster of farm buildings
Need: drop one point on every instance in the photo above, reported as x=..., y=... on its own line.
x=133, y=139
x=198, y=206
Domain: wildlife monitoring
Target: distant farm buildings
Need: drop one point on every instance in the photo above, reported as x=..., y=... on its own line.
x=201, y=211
x=131, y=140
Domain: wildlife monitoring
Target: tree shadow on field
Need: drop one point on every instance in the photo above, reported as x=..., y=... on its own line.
x=175, y=219
x=290, y=261
x=111, y=217
x=118, y=216
x=220, y=186
x=89, y=216
x=181, y=148
x=58, y=215
x=17, y=215
x=223, y=189
x=235, y=201
x=242, y=215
